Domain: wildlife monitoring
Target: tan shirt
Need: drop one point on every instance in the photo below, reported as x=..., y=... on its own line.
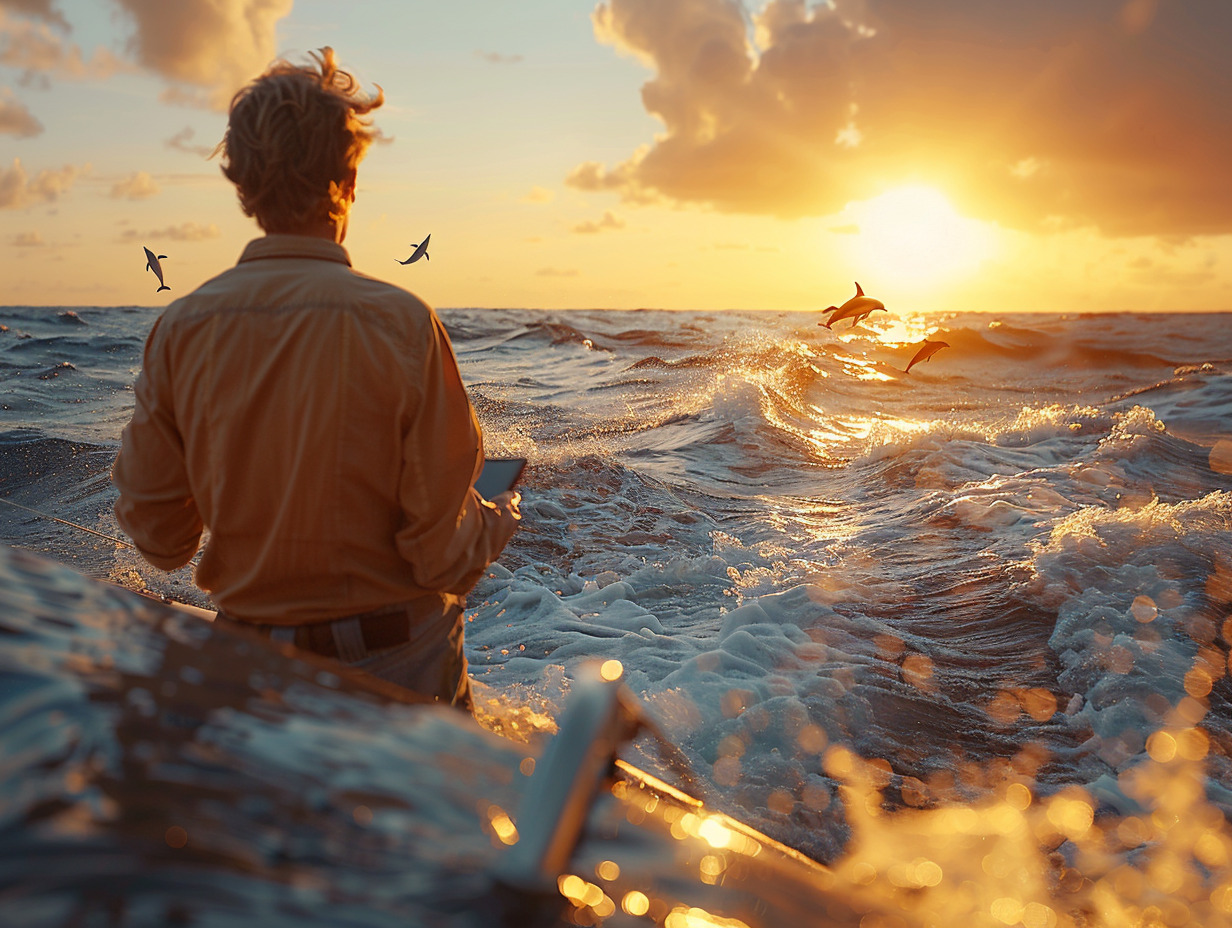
x=314, y=419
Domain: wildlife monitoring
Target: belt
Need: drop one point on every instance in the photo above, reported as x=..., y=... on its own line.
x=379, y=629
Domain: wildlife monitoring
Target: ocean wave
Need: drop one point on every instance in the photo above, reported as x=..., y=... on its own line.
x=1196, y=401
x=553, y=333
x=795, y=549
x=1140, y=595
x=1042, y=349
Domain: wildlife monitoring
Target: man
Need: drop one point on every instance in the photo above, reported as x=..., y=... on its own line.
x=313, y=418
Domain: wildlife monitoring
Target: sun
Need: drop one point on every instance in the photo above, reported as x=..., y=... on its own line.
x=912, y=236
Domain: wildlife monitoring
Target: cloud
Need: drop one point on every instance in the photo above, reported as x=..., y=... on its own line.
x=182, y=140
x=594, y=177
x=1110, y=113
x=18, y=191
x=37, y=9
x=539, y=195
x=140, y=186
x=38, y=52
x=28, y=240
x=194, y=98
x=185, y=232
x=609, y=221
x=555, y=272
x=15, y=119
x=498, y=58
x=212, y=46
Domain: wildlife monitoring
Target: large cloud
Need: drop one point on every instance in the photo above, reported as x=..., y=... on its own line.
x=206, y=49
x=1104, y=112
x=213, y=46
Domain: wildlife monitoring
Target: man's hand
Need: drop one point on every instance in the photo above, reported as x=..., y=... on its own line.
x=506, y=504
x=509, y=501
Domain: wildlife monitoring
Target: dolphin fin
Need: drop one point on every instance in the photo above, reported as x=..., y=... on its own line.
x=859, y=290
x=162, y=288
x=162, y=257
x=427, y=257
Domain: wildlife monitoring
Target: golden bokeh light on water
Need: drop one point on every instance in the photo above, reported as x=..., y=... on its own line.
x=635, y=903
x=990, y=846
x=999, y=842
x=695, y=917
x=1011, y=860
x=503, y=828
x=586, y=895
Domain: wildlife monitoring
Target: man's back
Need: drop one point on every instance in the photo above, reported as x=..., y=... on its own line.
x=320, y=415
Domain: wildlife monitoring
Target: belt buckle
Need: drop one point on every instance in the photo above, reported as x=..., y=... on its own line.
x=350, y=642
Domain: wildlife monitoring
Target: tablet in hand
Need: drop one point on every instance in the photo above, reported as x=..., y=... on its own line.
x=499, y=475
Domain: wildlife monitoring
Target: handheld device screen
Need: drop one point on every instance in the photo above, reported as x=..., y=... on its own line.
x=499, y=475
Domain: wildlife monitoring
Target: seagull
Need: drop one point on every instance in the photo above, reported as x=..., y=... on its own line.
x=927, y=350
x=855, y=309
x=421, y=251
x=151, y=264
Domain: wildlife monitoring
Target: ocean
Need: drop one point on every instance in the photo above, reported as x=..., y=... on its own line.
x=872, y=609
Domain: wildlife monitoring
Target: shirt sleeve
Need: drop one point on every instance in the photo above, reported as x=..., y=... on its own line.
x=155, y=507
x=451, y=533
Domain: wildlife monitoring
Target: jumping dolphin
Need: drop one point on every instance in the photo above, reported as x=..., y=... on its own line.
x=927, y=350
x=151, y=264
x=855, y=309
x=855, y=320
x=421, y=251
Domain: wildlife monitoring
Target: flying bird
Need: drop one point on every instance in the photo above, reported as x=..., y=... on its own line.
x=421, y=251
x=151, y=264
x=855, y=309
x=927, y=350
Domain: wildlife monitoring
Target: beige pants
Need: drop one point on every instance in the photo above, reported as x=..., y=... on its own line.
x=430, y=661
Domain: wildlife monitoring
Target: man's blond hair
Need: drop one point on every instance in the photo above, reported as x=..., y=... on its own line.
x=294, y=139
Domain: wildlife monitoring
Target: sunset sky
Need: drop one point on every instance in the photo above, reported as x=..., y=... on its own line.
x=949, y=154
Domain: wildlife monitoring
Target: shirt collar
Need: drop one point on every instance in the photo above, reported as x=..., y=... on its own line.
x=295, y=246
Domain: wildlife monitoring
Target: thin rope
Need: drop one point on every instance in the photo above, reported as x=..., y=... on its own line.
x=43, y=515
